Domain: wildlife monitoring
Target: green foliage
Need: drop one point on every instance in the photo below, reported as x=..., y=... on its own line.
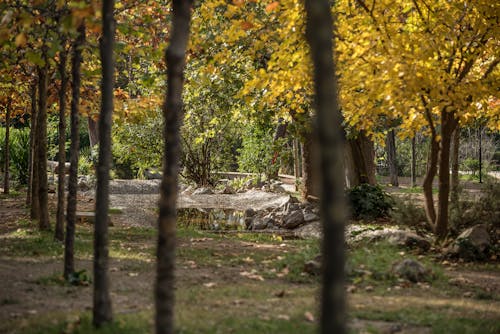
x=470, y=165
x=80, y=278
x=19, y=154
x=85, y=164
x=137, y=146
x=406, y=212
x=369, y=202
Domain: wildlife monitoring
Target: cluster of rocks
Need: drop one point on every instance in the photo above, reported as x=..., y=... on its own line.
x=225, y=187
x=289, y=215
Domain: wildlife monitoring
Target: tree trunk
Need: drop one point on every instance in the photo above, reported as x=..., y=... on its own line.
x=413, y=163
x=6, y=180
x=455, y=180
x=93, y=131
x=280, y=133
x=392, y=157
x=59, y=230
x=69, y=266
x=172, y=112
x=32, y=143
x=432, y=162
x=41, y=139
x=310, y=183
x=296, y=163
x=331, y=143
x=360, y=161
x=102, y=312
x=448, y=125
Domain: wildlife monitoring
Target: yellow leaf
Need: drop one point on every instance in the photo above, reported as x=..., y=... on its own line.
x=21, y=39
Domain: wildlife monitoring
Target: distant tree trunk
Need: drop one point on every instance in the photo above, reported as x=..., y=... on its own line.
x=279, y=133
x=59, y=230
x=429, y=179
x=93, y=131
x=102, y=312
x=331, y=143
x=310, y=183
x=6, y=179
x=392, y=157
x=360, y=161
x=296, y=163
x=172, y=113
x=31, y=150
x=41, y=139
x=413, y=163
x=455, y=180
x=69, y=266
x=448, y=125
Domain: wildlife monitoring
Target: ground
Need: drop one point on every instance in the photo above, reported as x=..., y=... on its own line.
x=228, y=283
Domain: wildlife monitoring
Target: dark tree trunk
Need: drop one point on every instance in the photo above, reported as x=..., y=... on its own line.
x=93, y=131
x=296, y=163
x=41, y=148
x=172, y=112
x=432, y=162
x=102, y=312
x=455, y=180
x=32, y=143
x=310, y=183
x=392, y=157
x=279, y=133
x=413, y=163
x=331, y=143
x=448, y=125
x=59, y=230
x=6, y=180
x=69, y=266
x=360, y=159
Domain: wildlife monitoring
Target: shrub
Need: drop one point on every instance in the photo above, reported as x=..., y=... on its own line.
x=19, y=154
x=369, y=202
x=407, y=213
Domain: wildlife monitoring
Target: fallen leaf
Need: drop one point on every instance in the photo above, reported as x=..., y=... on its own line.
x=309, y=316
x=209, y=284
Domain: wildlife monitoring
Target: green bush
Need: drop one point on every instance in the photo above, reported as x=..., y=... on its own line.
x=406, y=212
x=369, y=202
x=19, y=154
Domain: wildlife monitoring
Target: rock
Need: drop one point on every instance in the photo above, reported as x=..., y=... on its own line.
x=152, y=174
x=203, y=191
x=188, y=191
x=228, y=190
x=393, y=236
x=311, y=230
x=310, y=217
x=411, y=270
x=472, y=244
x=313, y=267
x=292, y=220
x=250, y=213
x=277, y=188
x=261, y=223
x=83, y=185
x=408, y=239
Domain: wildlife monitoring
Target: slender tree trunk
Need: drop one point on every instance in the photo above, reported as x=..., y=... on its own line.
x=59, y=230
x=279, y=133
x=309, y=177
x=32, y=142
x=455, y=180
x=41, y=147
x=319, y=34
x=93, y=131
x=172, y=112
x=102, y=312
x=430, y=211
x=392, y=157
x=447, y=127
x=6, y=180
x=413, y=163
x=69, y=266
x=296, y=163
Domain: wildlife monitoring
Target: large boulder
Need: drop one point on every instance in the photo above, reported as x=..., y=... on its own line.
x=411, y=270
x=293, y=219
x=472, y=244
x=393, y=236
x=309, y=231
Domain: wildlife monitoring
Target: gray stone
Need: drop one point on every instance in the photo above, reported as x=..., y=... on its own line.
x=309, y=231
x=261, y=223
x=310, y=217
x=203, y=191
x=472, y=244
x=228, y=190
x=393, y=236
x=411, y=270
x=293, y=219
x=152, y=174
x=277, y=188
x=408, y=239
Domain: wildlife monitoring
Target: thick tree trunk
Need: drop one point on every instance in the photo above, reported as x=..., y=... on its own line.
x=392, y=157
x=413, y=163
x=93, y=131
x=32, y=143
x=455, y=180
x=102, y=312
x=69, y=266
x=6, y=180
x=41, y=149
x=319, y=35
x=59, y=230
x=447, y=127
x=360, y=161
x=172, y=112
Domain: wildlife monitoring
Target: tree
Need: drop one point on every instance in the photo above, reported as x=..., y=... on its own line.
x=69, y=267
x=390, y=144
x=172, y=111
x=319, y=35
x=6, y=180
x=102, y=312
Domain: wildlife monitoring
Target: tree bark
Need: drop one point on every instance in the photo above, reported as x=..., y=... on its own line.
x=279, y=133
x=448, y=125
x=41, y=148
x=32, y=143
x=331, y=143
x=93, y=131
x=69, y=266
x=360, y=161
x=172, y=112
x=310, y=183
x=455, y=180
x=430, y=211
x=392, y=157
x=6, y=180
x=296, y=163
x=59, y=229
x=102, y=312
x=413, y=163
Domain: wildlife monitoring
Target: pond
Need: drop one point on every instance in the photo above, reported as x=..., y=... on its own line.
x=212, y=219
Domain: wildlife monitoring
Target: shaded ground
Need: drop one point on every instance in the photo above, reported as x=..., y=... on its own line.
x=238, y=283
